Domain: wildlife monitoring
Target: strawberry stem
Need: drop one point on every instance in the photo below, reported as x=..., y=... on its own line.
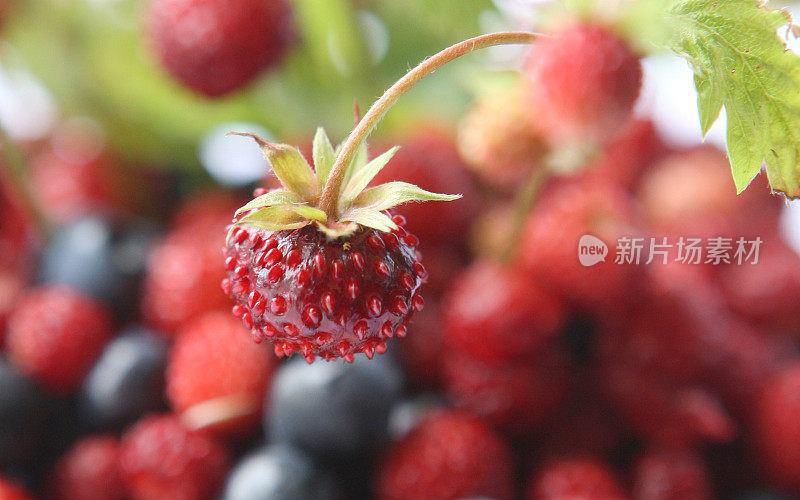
x=330, y=193
x=523, y=204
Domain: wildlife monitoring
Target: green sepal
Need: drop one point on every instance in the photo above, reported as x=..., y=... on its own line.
x=276, y=218
x=324, y=156
x=385, y=196
x=364, y=176
x=279, y=197
x=290, y=167
x=370, y=218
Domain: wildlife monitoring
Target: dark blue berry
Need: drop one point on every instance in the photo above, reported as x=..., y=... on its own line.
x=25, y=415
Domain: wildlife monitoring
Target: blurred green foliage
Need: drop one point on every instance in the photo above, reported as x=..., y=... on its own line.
x=94, y=56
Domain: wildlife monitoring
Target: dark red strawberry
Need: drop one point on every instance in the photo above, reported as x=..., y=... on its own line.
x=10, y=490
x=495, y=313
x=582, y=478
x=89, y=470
x=518, y=397
x=218, y=46
x=422, y=351
x=161, y=459
x=583, y=82
x=671, y=475
x=314, y=295
x=217, y=377
x=448, y=455
x=55, y=334
x=333, y=282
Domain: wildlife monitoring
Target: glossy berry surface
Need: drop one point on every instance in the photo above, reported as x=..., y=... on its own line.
x=55, y=334
x=218, y=46
x=664, y=475
x=324, y=297
x=89, y=470
x=448, y=455
x=162, y=459
x=582, y=478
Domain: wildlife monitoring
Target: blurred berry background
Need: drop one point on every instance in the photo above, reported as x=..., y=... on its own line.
x=124, y=375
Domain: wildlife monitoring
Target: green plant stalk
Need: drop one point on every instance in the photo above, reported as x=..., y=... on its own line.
x=360, y=132
x=523, y=204
x=16, y=171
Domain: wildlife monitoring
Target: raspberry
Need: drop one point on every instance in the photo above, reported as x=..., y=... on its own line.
x=582, y=478
x=334, y=298
x=161, y=459
x=182, y=280
x=495, y=314
x=9, y=490
x=448, y=455
x=499, y=140
x=518, y=397
x=777, y=429
x=428, y=158
x=89, y=471
x=583, y=82
x=55, y=334
x=216, y=376
x=548, y=248
x=665, y=475
x=216, y=46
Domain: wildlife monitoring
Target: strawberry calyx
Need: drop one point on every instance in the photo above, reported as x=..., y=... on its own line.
x=297, y=204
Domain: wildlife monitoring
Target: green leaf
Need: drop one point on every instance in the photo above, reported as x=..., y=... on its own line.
x=391, y=194
x=289, y=166
x=370, y=218
x=279, y=197
x=364, y=176
x=740, y=63
x=323, y=156
x=275, y=218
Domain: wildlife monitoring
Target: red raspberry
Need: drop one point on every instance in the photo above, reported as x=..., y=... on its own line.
x=216, y=46
x=216, y=376
x=429, y=159
x=581, y=478
x=777, y=428
x=518, y=397
x=89, y=471
x=9, y=490
x=314, y=295
x=163, y=460
x=495, y=313
x=583, y=82
x=448, y=455
x=55, y=334
x=548, y=248
x=182, y=280
x=671, y=475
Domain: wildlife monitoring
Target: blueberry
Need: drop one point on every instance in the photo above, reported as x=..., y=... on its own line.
x=126, y=382
x=333, y=409
x=25, y=415
x=277, y=472
x=101, y=256
x=406, y=414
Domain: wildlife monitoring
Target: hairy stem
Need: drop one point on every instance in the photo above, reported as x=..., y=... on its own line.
x=360, y=132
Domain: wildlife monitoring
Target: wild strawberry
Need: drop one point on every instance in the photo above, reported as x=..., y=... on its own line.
x=161, y=459
x=55, y=334
x=668, y=475
x=582, y=82
x=777, y=429
x=548, y=247
x=690, y=193
x=323, y=287
x=183, y=271
x=216, y=377
x=518, y=397
x=429, y=158
x=499, y=141
x=216, y=47
x=575, y=478
x=448, y=455
x=495, y=314
x=10, y=490
x=89, y=470
x=422, y=351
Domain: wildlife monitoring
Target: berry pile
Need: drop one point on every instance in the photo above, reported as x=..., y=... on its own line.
x=278, y=346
